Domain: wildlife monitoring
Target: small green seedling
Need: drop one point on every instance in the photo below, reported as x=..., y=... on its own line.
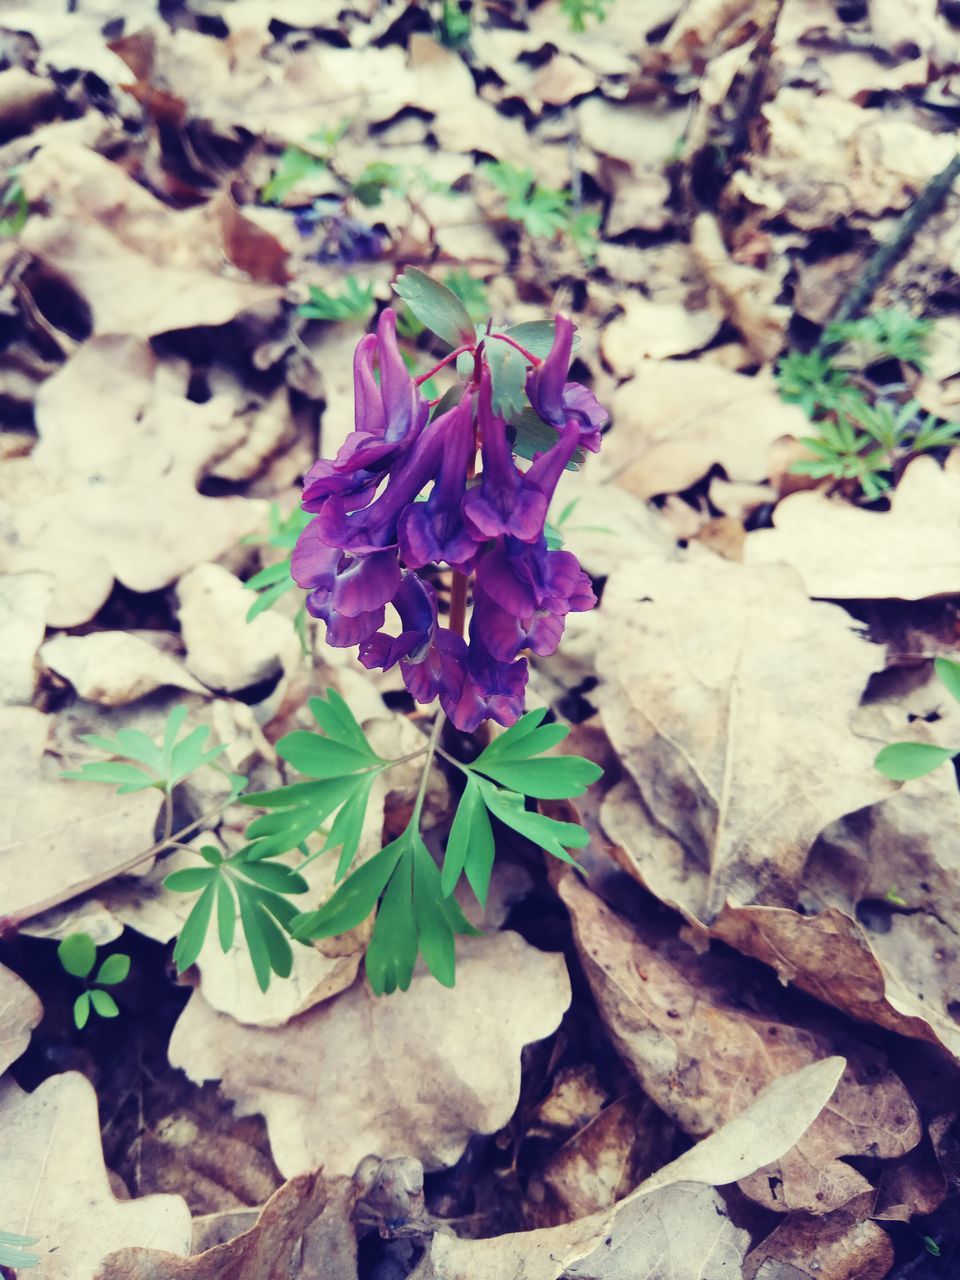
x=544, y=213
x=155, y=764
x=904, y=761
x=13, y=206
x=354, y=303
x=296, y=164
x=578, y=11
x=453, y=25
x=862, y=436
x=891, y=334
x=13, y=1251
x=78, y=954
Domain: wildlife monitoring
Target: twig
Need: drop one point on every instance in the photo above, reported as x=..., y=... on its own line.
x=883, y=258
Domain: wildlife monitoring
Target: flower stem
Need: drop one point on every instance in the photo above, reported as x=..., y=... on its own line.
x=425, y=377
x=427, y=766
x=458, y=602
x=502, y=337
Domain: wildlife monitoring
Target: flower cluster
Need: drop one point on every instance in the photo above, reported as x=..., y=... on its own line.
x=374, y=533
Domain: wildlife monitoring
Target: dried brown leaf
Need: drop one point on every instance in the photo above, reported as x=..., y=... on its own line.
x=681, y=1022
x=20, y=1012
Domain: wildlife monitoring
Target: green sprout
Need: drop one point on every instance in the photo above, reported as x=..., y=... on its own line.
x=78, y=954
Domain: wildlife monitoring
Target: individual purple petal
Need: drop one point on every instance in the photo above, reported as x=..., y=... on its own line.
x=523, y=578
x=490, y=690
x=405, y=409
x=432, y=532
x=375, y=526
x=560, y=402
x=506, y=635
x=323, y=480
x=346, y=593
x=432, y=659
x=504, y=501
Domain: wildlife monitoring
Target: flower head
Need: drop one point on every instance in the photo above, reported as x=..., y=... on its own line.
x=401, y=500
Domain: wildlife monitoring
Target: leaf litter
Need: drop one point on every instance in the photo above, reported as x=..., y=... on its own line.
x=713, y=1054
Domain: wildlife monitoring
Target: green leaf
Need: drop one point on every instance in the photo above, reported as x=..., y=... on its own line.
x=553, y=778
x=194, y=931
x=104, y=1003
x=273, y=876
x=190, y=879
x=355, y=898
x=287, y=828
x=189, y=754
x=472, y=293
x=552, y=836
x=226, y=914
x=78, y=954
x=293, y=167
x=137, y=746
x=348, y=826
x=433, y=926
x=392, y=950
x=272, y=574
x=113, y=970
x=319, y=757
x=340, y=725
x=903, y=761
x=471, y=836
x=13, y=1252
x=537, y=336
x=948, y=672
x=170, y=734
x=435, y=306
x=127, y=777
x=354, y=302
x=81, y=1010
x=508, y=376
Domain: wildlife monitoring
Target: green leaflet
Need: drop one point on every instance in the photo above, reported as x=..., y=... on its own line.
x=160, y=765
x=435, y=306
x=904, y=761
x=260, y=890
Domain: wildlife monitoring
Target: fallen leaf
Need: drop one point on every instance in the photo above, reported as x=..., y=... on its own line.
x=115, y=422
x=748, y=294
x=654, y=329
x=827, y=159
x=24, y=602
x=700, y=1051
x=639, y=1238
x=114, y=667
x=54, y=1185
x=20, y=1012
x=843, y=552
x=676, y=419
x=837, y=1246
x=57, y=834
x=724, y=729
x=307, y=1219
x=224, y=650
x=321, y=1110
x=104, y=230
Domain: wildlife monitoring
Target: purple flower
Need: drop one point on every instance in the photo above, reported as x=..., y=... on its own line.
x=347, y=592
x=374, y=527
x=560, y=402
x=388, y=418
x=507, y=500
x=433, y=531
x=432, y=659
x=491, y=689
x=524, y=593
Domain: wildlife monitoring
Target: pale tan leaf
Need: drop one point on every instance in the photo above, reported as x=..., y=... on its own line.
x=54, y=1186
x=114, y=667
x=321, y=1110
x=20, y=1012
x=844, y=552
